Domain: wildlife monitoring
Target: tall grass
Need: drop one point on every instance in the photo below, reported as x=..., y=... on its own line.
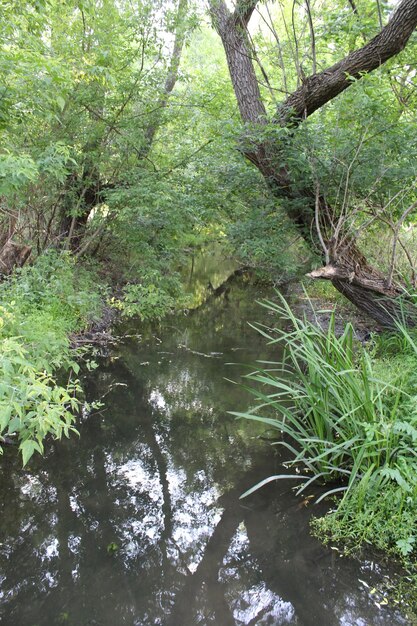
x=339, y=421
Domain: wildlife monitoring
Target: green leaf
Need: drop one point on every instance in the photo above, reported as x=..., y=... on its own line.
x=5, y=417
x=61, y=102
x=27, y=449
x=112, y=547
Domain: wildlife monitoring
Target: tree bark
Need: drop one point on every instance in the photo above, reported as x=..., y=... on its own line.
x=347, y=268
x=13, y=255
x=232, y=30
x=319, y=89
x=368, y=290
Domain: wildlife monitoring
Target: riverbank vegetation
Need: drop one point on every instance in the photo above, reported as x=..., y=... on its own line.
x=42, y=305
x=136, y=134
x=345, y=415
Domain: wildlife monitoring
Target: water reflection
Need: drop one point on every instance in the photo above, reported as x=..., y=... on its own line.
x=139, y=522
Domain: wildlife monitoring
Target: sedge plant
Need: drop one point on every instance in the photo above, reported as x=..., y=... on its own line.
x=338, y=420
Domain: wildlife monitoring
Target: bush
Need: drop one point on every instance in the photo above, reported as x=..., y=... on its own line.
x=40, y=306
x=32, y=404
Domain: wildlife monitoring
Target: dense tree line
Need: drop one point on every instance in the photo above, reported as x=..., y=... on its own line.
x=106, y=105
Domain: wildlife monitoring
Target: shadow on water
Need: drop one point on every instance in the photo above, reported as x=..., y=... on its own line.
x=139, y=521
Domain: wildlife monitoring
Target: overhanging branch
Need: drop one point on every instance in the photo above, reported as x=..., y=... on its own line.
x=318, y=89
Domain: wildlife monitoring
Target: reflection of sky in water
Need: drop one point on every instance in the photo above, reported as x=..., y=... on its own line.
x=195, y=516
x=48, y=549
x=255, y=604
x=32, y=489
x=193, y=519
x=179, y=394
x=260, y=604
x=141, y=533
x=157, y=400
x=137, y=476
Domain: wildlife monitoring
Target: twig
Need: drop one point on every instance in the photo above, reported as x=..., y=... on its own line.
x=317, y=220
x=313, y=37
x=395, y=240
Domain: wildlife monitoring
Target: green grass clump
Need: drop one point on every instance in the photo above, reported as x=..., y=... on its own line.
x=40, y=306
x=384, y=519
x=348, y=418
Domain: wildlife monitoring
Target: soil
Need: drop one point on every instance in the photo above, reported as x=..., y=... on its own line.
x=319, y=310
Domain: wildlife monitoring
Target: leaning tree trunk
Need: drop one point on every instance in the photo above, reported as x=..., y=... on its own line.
x=346, y=268
x=367, y=288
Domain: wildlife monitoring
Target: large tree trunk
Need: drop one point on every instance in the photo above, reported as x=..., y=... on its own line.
x=367, y=289
x=347, y=268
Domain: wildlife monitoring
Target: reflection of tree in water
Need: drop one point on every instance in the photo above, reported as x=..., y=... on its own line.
x=261, y=567
x=147, y=478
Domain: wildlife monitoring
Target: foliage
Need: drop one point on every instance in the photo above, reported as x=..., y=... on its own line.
x=336, y=416
x=347, y=420
x=384, y=519
x=388, y=522
x=40, y=306
x=32, y=404
x=149, y=300
x=265, y=239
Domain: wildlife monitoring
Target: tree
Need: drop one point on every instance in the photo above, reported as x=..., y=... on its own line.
x=84, y=86
x=181, y=28
x=107, y=115
x=366, y=286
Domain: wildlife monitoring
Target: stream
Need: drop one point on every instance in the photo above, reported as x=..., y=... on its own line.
x=138, y=521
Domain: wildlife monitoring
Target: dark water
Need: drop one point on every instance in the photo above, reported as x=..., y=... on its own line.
x=139, y=521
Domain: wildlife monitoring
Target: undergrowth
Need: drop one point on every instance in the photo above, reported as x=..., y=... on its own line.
x=40, y=305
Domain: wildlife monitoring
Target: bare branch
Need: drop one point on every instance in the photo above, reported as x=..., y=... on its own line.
x=353, y=6
x=317, y=221
x=312, y=37
x=256, y=58
x=297, y=53
x=188, y=157
x=378, y=5
x=279, y=47
x=400, y=222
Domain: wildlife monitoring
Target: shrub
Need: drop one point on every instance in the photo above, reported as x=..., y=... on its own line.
x=40, y=306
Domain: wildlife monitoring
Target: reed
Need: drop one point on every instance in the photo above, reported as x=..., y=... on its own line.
x=336, y=418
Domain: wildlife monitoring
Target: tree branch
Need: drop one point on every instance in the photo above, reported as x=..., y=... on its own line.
x=395, y=240
x=243, y=11
x=320, y=88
